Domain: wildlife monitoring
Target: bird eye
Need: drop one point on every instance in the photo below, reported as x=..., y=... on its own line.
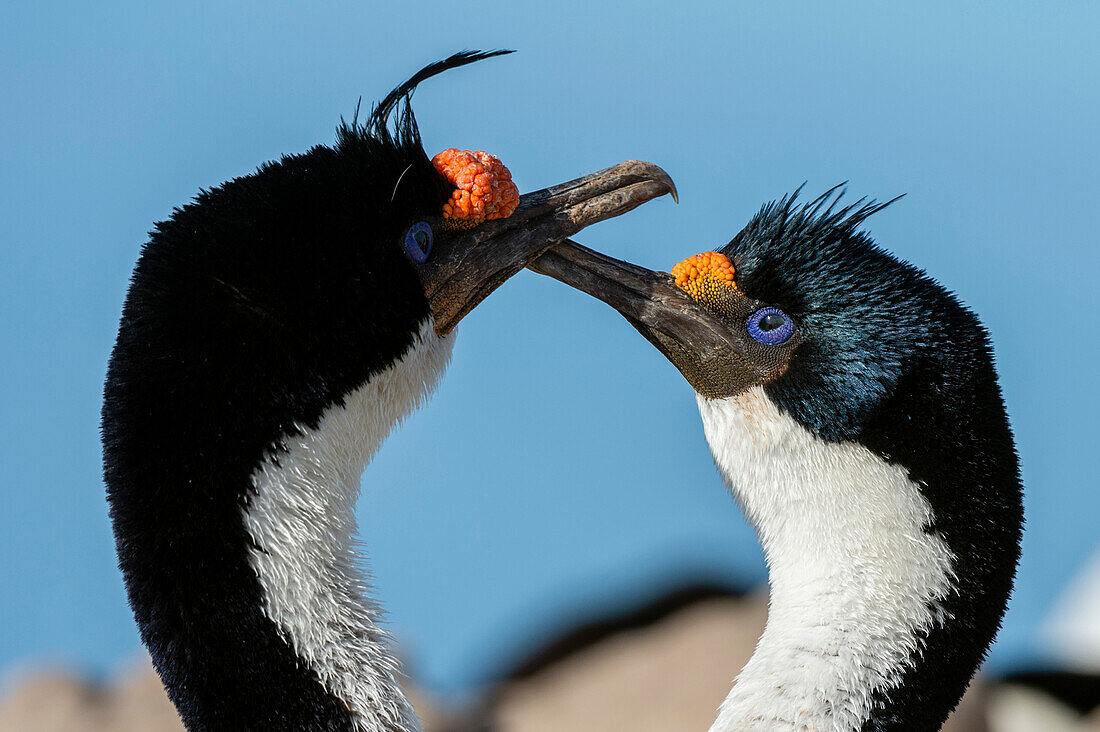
x=770, y=326
x=418, y=241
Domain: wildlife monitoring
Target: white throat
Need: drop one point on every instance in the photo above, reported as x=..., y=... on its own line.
x=303, y=526
x=855, y=578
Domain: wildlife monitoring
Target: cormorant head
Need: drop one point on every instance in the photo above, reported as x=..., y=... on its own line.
x=851, y=405
x=312, y=295
x=459, y=261
x=800, y=302
x=322, y=267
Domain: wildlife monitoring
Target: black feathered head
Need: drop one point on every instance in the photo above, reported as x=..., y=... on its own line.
x=346, y=247
x=269, y=297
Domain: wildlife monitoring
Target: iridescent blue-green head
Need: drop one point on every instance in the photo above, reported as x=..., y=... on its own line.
x=801, y=302
x=851, y=404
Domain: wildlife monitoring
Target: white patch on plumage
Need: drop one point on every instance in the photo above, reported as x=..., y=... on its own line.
x=855, y=577
x=303, y=525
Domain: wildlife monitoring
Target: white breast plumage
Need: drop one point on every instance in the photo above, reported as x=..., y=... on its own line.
x=303, y=527
x=856, y=577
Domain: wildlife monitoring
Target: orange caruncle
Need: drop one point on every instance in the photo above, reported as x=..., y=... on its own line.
x=698, y=274
x=483, y=187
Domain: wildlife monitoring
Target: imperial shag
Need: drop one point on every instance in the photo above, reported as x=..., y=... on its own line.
x=274, y=332
x=852, y=406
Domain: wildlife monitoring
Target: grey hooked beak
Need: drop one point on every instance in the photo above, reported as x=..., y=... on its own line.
x=714, y=356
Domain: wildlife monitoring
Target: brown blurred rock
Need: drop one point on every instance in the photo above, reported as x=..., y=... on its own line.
x=45, y=701
x=667, y=677
x=60, y=702
x=1015, y=708
x=670, y=676
x=646, y=672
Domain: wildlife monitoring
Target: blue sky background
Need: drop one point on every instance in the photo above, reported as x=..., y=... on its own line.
x=561, y=467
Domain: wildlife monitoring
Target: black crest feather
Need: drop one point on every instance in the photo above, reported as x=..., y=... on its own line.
x=406, y=134
x=817, y=220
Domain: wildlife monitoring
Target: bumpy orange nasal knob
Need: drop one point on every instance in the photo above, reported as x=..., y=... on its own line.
x=483, y=187
x=698, y=274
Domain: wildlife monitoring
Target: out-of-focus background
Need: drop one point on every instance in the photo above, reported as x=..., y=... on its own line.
x=553, y=516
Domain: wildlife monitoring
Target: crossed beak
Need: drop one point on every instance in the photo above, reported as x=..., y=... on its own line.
x=466, y=266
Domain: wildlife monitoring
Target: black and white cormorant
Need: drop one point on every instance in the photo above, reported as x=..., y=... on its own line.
x=275, y=331
x=851, y=404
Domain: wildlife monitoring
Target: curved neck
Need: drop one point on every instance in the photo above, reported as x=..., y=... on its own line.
x=302, y=523
x=245, y=583
x=858, y=576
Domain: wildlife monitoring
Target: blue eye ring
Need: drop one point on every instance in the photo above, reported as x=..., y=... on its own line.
x=418, y=241
x=770, y=326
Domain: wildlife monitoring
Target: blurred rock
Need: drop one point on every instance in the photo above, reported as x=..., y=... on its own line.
x=57, y=701
x=45, y=701
x=1015, y=708
x=662, y=668
x=666, y=677
x=1071, y=632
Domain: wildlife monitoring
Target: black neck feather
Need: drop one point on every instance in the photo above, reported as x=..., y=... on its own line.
x=950, y=430
x=250, y=312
